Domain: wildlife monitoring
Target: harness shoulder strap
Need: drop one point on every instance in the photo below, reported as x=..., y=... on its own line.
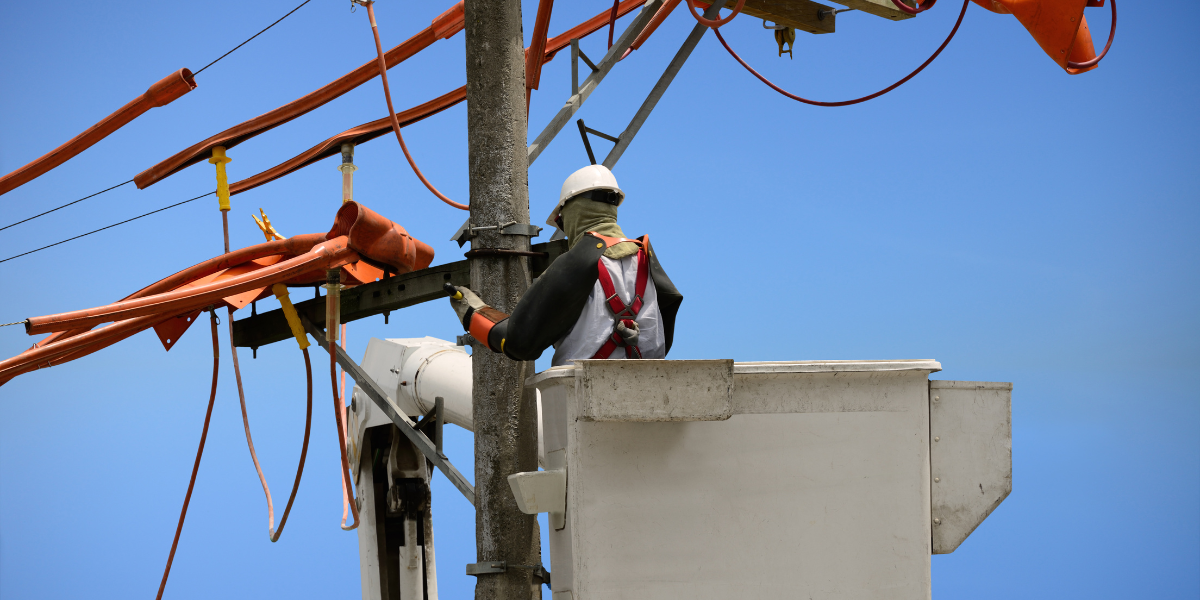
x=609, y=242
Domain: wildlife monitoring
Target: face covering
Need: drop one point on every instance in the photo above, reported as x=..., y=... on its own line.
x=582, y=215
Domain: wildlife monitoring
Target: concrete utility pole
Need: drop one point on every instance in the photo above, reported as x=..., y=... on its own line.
x=505, y=419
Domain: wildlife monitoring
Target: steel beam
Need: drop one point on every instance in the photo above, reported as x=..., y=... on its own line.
x=573, y=104
x=402, y=422
x=380, y=297
x=660, y=88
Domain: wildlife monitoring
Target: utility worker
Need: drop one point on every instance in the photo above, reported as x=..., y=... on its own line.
x=607, y=297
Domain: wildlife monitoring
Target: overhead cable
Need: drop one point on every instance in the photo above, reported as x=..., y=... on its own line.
x=66, y=205
x=953, y=31
x=108, y=227
x=387, y=94
x=252, y=37
x=187, y=498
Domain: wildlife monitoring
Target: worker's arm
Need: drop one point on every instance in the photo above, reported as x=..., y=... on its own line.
x=546, y=313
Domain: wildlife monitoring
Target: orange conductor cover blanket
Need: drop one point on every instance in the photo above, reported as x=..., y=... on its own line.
x=362, y=243
x=1058, y=26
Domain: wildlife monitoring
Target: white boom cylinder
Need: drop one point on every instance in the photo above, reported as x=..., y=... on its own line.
x=415, y=372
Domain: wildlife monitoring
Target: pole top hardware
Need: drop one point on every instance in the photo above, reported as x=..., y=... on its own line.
x=468, y=232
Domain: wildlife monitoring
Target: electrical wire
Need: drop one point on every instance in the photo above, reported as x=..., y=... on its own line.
x=1112, y=32
x=345, y=441
x=338, y=408
x=856, y=100
x=274, y=535
x=187, y=498
x=108, y=227
x=65, y=205
x=252, y=37
x=924, y=6
x=396, y=125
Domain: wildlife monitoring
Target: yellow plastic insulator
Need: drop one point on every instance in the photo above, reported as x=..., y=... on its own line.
x=266, y=227
x=219, y=159
x=289, y=312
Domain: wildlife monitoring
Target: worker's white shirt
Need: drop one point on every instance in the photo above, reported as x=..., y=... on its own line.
x=596, y=322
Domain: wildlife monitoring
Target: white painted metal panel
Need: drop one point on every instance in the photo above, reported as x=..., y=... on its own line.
x=655, y=390
x=797, y=497
x=970, y=456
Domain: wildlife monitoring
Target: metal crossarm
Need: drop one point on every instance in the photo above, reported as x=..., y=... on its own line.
x=406, y=426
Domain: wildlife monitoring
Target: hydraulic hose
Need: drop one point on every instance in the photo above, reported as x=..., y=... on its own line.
x=957, y=23
x=187, y=498
x=1112, y=32
x=387, y=94
x=338, y=408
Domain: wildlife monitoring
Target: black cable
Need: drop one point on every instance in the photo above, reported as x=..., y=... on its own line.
x=65, y=205
x=109, y=227
x=251, y=37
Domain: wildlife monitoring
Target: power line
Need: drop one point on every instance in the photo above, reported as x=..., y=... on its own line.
x=108, y=227
x=251, y=37
x=64, y=206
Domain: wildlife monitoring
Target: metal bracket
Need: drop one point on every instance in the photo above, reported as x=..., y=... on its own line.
x=498, y=566
x=467, y=232
x=466, y=339
x=587, y=144
x=821, y=14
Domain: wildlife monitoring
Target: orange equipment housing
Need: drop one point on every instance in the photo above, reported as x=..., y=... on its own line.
x=1058, y=26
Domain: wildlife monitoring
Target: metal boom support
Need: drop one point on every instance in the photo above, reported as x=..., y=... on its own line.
x=406, y=426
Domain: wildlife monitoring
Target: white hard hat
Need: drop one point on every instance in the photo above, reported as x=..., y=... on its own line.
x=591, y=177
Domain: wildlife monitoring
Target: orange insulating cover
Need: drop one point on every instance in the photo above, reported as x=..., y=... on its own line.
x=357, y=135
x=378, y=127
x=233, y=279
x=162, y=93
x=1058, y=26
x=537, y=47
x=443, y=27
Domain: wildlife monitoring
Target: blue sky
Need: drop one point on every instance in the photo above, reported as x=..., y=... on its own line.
x=1013, y=222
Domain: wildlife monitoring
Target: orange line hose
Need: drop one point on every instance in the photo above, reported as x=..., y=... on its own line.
x=187, y=498
x=856, y=100
x=396, y=128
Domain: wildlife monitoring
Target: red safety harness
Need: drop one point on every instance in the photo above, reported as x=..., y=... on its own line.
x=625, y=313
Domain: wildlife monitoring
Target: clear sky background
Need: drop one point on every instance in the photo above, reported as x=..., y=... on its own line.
x=1011, y=221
